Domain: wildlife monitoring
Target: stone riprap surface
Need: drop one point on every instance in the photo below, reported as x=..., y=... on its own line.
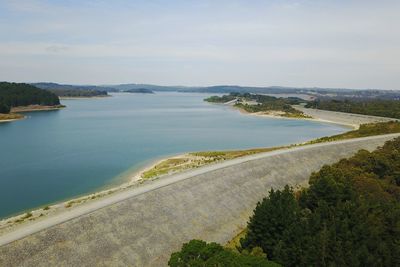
x=143, y=230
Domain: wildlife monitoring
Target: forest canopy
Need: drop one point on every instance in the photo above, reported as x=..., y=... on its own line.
x=349, y=216
x=21, y=94
x=77, y=92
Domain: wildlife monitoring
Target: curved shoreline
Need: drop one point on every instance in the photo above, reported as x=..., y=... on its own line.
x=24, y=230
x=10, y=120
x=132, y=179
x=31, y=108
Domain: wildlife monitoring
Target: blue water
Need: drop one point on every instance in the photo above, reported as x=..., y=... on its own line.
x=56, y=155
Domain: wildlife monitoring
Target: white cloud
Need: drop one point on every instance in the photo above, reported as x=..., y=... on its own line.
x=263, y=43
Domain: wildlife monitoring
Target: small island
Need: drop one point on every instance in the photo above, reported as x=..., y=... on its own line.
x=261, y=104
x=139, y=91
x=21, y=97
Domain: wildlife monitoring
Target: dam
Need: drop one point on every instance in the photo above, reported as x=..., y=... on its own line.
x=144, y=225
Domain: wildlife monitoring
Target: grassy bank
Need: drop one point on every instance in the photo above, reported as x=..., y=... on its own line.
x=10, y=116
x=197, y=159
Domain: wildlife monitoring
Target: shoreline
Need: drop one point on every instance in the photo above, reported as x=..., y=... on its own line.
x=82, y=97
x=128, y=180
x=10, y=120
x=131, y=179
x=32, y=108
x=26, y=229
x=9, y=117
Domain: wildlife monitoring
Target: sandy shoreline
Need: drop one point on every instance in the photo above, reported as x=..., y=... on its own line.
x=10, y=120
x=132, y=179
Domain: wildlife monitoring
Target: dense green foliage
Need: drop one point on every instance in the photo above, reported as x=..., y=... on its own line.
x=140, y=91
x=4, y=108
x=261, y=103
x=68, y=87
x=365, y=130
x=221, y=99
x=199, y=253
x=77, y=92
x=349, y=216
x=20, y=94
x=376, y=107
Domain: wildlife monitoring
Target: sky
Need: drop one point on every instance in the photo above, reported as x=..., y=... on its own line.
x=302, y=43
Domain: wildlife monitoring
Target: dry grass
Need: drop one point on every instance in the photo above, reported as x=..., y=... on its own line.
x=198, y=159
x=11, y=116
x=234, y=243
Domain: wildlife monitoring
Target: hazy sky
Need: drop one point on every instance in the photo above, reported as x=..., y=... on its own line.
x=353, y=44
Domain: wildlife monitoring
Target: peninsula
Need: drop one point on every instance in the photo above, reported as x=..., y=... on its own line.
x=261, y=104
x=21, y=97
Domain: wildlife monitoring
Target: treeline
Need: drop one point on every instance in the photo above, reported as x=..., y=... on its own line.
x=199, y=253
x=140, y=91
x=21, y=94
x=349, y=216
x=77, y=92
x=221, y=99
x=382, y=108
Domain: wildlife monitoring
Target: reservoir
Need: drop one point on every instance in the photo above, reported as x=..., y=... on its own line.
x=93, y=143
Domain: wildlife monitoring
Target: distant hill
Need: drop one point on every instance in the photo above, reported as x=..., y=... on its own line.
x=337, y=93
x=77, y=93
x=125, y=87
x=312, y=91
x=47, y=85
x=140, y=91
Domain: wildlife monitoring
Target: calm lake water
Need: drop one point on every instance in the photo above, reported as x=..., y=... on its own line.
x=56, y=155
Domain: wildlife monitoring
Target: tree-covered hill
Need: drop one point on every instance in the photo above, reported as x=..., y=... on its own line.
x=21, y=94
x=77, y=93
x=57, y=86
x=140, y=91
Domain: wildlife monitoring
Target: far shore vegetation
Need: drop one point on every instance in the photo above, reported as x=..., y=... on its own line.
x=78, y=93
x=348, y=216
x=139, y=91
